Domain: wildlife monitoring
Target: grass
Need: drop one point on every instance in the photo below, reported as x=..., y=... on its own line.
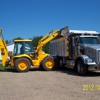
x=4, y=68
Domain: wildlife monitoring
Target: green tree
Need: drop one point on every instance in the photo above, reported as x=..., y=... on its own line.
x=8, y=41
x=18, y=38
x=46, y=48
x=36, y=40
x=35, y=43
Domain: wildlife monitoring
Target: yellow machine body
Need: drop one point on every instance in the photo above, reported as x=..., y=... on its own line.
x=30, y=57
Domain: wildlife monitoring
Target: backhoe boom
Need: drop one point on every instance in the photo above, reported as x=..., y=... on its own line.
x=3, y=49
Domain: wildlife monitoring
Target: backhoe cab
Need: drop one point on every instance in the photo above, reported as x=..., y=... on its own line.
x=23, y=47
x=24, y=55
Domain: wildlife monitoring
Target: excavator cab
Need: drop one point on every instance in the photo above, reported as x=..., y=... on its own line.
x=23, y=47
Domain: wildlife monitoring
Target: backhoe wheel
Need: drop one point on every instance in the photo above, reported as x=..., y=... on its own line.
x=22, y=65
x=81, y=68
x=48, y=63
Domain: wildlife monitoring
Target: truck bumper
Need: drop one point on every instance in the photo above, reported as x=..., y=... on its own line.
x=93, y=67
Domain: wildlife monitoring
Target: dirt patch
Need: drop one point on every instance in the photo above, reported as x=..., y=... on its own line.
x=48, y=85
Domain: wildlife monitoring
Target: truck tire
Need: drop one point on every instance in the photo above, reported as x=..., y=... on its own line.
x=81, y=68
x=22, y=65
x=59, y=63
x=48, y=63
x=56, y=60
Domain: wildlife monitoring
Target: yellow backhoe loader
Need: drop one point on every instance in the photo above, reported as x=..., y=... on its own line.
x=24, y=55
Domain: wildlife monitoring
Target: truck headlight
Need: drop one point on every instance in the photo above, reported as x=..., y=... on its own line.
x=88, y=60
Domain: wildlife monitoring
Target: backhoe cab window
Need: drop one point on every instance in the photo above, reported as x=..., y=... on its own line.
x=28, y=47
x=18, y=49
x=23, y=47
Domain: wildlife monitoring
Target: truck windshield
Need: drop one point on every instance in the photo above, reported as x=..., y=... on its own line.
x=89, y=40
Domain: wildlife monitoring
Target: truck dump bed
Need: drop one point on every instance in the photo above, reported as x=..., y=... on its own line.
x=59, y=47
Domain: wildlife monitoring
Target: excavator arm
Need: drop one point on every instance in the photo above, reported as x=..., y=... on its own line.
x=3, y=49
x=50, y=36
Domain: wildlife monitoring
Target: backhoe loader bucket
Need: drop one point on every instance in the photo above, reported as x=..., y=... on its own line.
x=60, y=33
x=64, y=31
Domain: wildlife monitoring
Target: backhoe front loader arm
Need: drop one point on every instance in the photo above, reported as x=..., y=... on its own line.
x=50, y=36
x=3, y=49
x=45, y=39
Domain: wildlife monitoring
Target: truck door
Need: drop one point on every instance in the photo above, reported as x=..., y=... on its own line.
x=70, y=48
x=76, y=47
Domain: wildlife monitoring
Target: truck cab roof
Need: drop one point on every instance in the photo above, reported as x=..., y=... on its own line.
x=87, y=36
x=82, y=32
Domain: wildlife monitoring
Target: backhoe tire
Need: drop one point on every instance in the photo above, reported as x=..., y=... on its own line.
x=81, y=68
x=22, y=65
x=48, y=63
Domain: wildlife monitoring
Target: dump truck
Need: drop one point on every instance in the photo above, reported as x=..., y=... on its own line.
x=24, y=55
x=79, y=50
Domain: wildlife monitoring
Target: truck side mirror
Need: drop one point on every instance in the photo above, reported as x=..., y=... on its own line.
x=77, y=41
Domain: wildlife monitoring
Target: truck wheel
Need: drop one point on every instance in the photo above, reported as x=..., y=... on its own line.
x=56, y=60
x=48, y=63
x=22, y=65
x=60, y=64
x=81, y=68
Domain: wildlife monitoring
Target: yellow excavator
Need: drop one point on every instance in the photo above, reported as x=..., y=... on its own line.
x=24, y=55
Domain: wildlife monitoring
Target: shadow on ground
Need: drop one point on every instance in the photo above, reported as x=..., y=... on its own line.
x=8, y=70
x=73, y=72
x=65, y=70
x=70, y=72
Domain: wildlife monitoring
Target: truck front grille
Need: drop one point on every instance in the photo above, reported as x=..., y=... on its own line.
x=91, y=54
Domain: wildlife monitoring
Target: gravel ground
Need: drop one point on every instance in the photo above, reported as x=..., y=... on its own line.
x=48, y=85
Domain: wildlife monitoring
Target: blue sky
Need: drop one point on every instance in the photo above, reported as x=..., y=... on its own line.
x=29, y=18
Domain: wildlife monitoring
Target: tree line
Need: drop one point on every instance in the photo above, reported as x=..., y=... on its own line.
x=35, y=41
